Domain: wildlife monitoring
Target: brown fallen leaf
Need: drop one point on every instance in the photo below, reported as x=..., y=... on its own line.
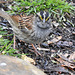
x=24, y=57
x=65, y=62
x=2, y=1
x=58, y=68
x=72, y=56
x=54, y=40
x=5, y=1
x=65, y=43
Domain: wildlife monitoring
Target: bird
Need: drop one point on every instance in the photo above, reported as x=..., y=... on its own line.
x=33, y=28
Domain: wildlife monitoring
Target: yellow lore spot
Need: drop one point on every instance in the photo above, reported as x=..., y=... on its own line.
x=41, y=18
x=47, y=18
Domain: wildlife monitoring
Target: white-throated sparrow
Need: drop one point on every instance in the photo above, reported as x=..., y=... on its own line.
x=33, y=28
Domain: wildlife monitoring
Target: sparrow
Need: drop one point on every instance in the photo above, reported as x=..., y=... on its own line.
x=33, y=28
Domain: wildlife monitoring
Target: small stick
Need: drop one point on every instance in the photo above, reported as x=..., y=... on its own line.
x=14, y=41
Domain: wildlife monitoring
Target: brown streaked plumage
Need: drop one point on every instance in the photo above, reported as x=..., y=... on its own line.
x=26, y=21
x=23, y=20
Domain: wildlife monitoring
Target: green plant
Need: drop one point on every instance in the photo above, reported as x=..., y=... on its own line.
x=5, y=44
x=33, y=6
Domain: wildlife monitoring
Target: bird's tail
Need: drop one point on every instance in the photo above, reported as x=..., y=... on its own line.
x=8, y=18
x=5, y=15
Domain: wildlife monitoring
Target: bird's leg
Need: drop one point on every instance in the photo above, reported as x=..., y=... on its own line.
x=35, y=50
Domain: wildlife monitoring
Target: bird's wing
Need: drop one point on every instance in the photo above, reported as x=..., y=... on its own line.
x=24, y=22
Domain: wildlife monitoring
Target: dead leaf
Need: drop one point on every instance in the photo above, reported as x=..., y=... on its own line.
x=72, y=56
x=65, y=43
x=54, y=40
x=24, y=57
x=57, y=68
x=65, y=62
x=55, y=24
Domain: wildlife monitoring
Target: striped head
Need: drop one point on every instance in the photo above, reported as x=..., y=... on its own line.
x=43, y=19
x=44, y=16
